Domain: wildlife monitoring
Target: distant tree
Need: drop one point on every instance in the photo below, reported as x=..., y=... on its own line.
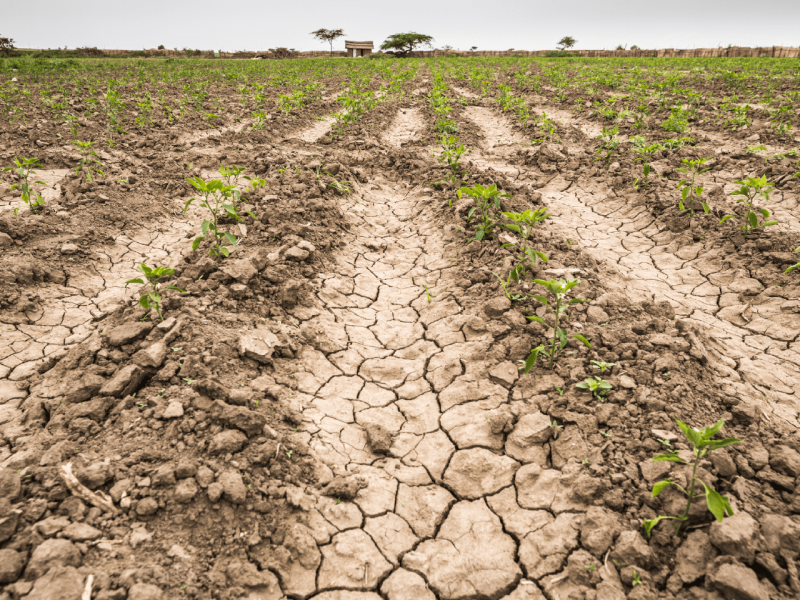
x=566, y=42
x=621, y=47
x=447, y=48
x=328, y=35
x=401, y=44
x=6, y=45
x=161, y=47
x=635, y=47
x=473, y=49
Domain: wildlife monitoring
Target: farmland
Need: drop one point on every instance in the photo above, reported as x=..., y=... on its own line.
x=453, y=328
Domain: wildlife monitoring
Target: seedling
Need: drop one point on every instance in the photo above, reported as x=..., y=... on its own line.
x=524, y=224
x=488, y=201
x=598, y=387
x=702, y=444
x=559, y=288
x=88, y=158
x=690, y=191
x=793, y=267
x=214, y=193
x=24, y=169
x=555, y=425
x=602, y=366
x=153, y=275
x=636, y=580
x=609, y=143
x=750, y=189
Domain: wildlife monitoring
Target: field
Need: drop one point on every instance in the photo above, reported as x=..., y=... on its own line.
x=422, y=328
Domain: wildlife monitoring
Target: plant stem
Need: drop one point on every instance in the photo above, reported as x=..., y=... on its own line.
x=691, y=493
x=555, y=333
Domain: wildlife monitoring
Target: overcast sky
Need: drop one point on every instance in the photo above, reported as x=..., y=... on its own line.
x=495, y=25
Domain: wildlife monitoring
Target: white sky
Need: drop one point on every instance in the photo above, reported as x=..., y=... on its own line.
x=497, y=25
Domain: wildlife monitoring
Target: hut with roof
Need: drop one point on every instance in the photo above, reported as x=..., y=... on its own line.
x=358, y=49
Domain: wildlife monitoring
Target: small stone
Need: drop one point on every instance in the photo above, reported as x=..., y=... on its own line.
x=215, y=491
x=296, y=254
x=736, y=536
x=127, y=333
x=164, y=476
x=81, y=532
x=11, y=564
x=495, y=308
x=205, y=476
x=147, y=507
x=5, y=240
x=526, y=442
x=60, y=583
x=506, y=373
x=186, y=490
x=653, y=470
x=52, y=553
x=258, y=345
x=10, y=484
x=735, y=581
x=785, y=460
x=145, y=591
x=633, y=550
x=69, y=249
x=242, y=270
x=234, y=488
x=229, y=441
x=174, y=410
x=125, y=382
x=693, y=556
x=151, y=357
x=595, y=314
x=423, y=507
x=723, y=462
x=627, y=382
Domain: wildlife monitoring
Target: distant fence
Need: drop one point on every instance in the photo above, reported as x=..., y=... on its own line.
x=730, y=52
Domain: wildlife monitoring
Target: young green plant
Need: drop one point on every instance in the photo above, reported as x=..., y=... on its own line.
x=690, y=191
x=88, y=158
x=702, y=444
x=598, y=387
x=559, y=288
x=23, y=167
x=487, y=200
x=153, y=276
x=523, y=224
x=214, y=194
x=749, y=191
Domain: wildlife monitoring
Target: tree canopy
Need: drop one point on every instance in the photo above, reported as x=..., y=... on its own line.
x=328, y=35
x=567, y=42
x=402, y=44
x=6, y=45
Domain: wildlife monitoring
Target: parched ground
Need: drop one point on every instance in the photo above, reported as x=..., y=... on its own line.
x=337, y=411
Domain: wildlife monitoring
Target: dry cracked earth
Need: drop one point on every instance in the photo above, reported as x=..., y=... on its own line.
x=434, y=469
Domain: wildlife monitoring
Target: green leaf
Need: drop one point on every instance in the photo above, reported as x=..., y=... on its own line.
x=479, y=234
x=232, y=239
x=145, y=302
x=648, y=525
x=204, y=227
x=541, y=299
x=725, y=218
x=188, y=202
x=225, y=252
x=137, y=280
x=660, y=486
x=668, y=458
x=717, y=444
x=691, y=434
x=581, y=339
x=716, y=504
x=768, y=223
x=562, y=336
x=530, y=362
x=752, y=219
x=197, y=241
x=537, y=319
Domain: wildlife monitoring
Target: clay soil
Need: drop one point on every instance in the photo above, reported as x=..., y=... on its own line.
x=337, y=410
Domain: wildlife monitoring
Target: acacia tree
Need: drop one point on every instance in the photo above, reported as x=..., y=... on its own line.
x=566, y=42
x=401, y=44
x=328, y=35
x=6, y=45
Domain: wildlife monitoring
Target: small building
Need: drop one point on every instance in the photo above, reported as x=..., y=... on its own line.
x=358, y=49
